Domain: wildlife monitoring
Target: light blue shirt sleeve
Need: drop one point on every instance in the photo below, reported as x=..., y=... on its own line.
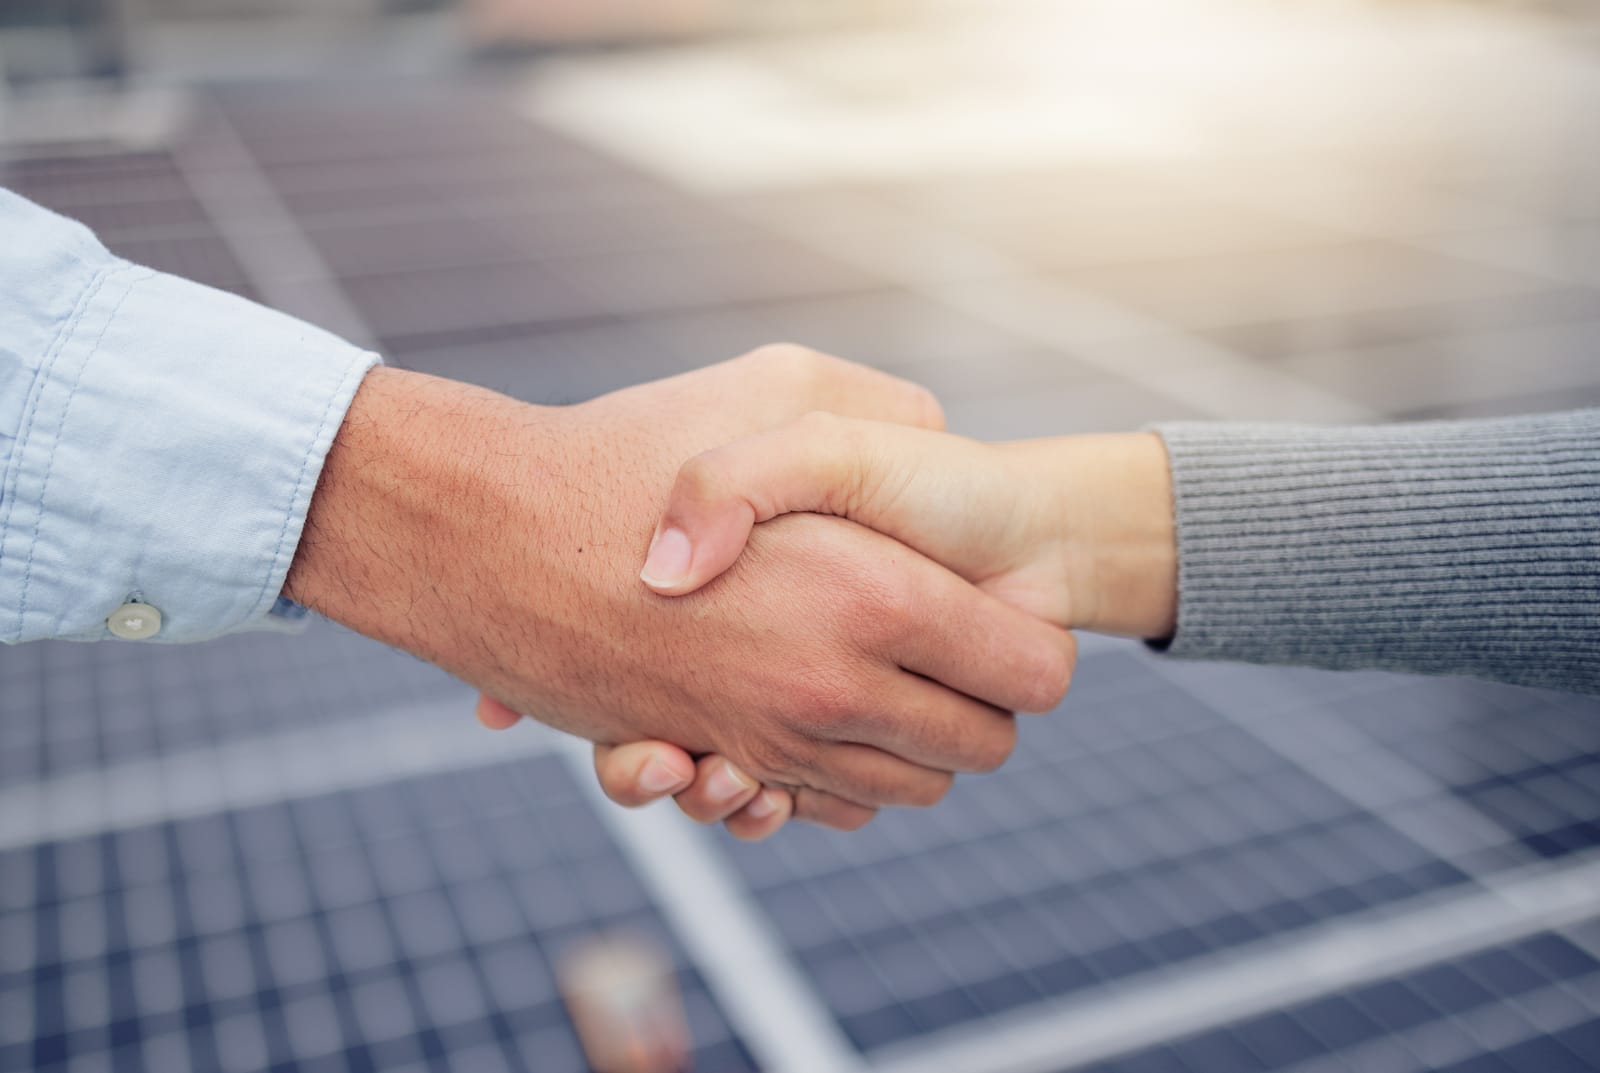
x=159, y=440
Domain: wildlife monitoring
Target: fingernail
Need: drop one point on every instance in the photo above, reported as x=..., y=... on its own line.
x=763, y=806
x=668, y=561
x=657, y=778
x=726, y=783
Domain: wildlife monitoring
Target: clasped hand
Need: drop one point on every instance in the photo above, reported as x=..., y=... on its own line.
x=1008, y=519
x=503, y=542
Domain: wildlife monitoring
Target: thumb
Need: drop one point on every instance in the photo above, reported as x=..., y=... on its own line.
x=820, y=463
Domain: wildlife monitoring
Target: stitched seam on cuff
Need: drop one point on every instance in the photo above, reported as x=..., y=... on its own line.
x=66, y=409
x=41, y=380
x=354, y=372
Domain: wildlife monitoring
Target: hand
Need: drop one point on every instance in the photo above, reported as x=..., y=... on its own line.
x=830, y=659
x=1077, y=530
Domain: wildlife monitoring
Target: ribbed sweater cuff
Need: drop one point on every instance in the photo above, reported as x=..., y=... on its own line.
x=1444, y=548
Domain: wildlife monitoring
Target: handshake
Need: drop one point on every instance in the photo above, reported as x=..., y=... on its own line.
x=657, y=571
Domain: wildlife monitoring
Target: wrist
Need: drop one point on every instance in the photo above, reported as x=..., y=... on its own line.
x=406, y=490
x=1111, y=497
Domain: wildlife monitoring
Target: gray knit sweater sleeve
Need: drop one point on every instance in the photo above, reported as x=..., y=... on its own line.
x=1468, y=547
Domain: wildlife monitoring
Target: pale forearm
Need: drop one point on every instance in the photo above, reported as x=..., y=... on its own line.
x=1105, y=502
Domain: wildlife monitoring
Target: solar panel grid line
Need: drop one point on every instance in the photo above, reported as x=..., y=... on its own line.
x=1523, y=760
x=565, y=295
x=89, y=183
x=117, y=234
x=1322, y=745
x=1130, y=913
x=1564, y=256
x=947, y=878
x=976, y=823
x=1117, y=855
x=416, y=165
x=1585, y=938
x=1194, y=372
x=369, y=748
x=458, y=251
x=1539, y=1013
x=320, y=204
x=1133, y=1013
x=381, y=125
x=281, y=264
x=1468, y=1012
x=770, y=1005
x=409, y=934
x=173, y=700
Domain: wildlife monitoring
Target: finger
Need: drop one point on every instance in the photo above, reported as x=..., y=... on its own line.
x=932, y=725
x=494, y=715
x=821, y=463
x=874, y=778
x=719, y=790
x=766, y=813
x=643, y=771
x=826, y=810
x=977, y=645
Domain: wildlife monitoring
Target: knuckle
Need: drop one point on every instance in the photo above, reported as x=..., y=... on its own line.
x=929, y=792
x=879, y=606
x=809, y=374
x=787, y=358
x=893, y=784
x=700, y=478
x=780, y=759
x=819, y=423
x=852, y=820
x=615, y=783
x=995, y=749
x=1051, y=679
x=927, y=406
x=824, y=700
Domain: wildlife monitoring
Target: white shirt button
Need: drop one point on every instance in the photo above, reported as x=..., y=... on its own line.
x=134, y=622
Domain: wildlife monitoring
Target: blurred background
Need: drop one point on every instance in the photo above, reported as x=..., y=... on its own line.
x=301, y=853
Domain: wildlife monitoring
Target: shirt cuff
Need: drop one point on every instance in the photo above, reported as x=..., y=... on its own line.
x=167, y=455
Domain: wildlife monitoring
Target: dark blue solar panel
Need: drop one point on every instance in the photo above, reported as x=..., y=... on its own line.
x=70, y=707
x=1528, y=1007
x=1135, y=830
x=414, y=922
x=1527, y=760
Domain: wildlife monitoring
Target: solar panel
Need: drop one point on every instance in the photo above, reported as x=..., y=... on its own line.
x=77, y=708
x=1136, y=829
x=412, y=923
x=1527, y=1007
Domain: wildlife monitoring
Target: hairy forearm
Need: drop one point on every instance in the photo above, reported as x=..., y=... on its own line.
x=452, y=522
x=405, y=491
